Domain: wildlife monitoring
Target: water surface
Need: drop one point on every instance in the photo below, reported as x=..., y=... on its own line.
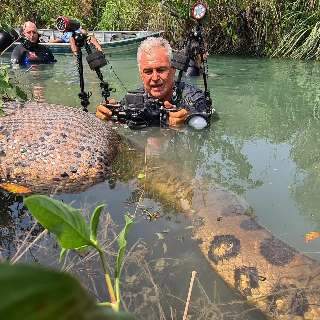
x=264, y=148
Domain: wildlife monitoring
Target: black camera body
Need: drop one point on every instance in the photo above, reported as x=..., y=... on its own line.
x=138, y=111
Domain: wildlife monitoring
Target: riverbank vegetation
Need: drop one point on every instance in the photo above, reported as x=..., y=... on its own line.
x=240, y=27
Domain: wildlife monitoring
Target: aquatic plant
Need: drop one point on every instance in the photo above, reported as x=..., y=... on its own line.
x=72, y=232
x=9, y=90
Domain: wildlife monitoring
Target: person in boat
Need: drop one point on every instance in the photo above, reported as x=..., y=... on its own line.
x=64, y=38
x=67, y=37
x=158, y=76
x=30, y=51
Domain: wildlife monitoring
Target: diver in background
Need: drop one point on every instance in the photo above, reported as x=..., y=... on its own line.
x=30, y=51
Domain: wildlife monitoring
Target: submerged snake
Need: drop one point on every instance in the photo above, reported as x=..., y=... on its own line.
x=46, y=146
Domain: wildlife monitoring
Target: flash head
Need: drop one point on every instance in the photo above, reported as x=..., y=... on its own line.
x=65, y=24
x=199, y=10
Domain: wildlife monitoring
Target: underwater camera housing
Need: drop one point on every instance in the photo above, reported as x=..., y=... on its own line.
x=139, y=111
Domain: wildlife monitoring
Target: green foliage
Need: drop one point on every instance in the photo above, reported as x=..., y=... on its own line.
x=94, y=222
x=301, y=32
x=72, y=232
x=122, y=15
x=64, y=221
x=122, y=242
x=36, y=293
x=9, y=90
x=253, y=27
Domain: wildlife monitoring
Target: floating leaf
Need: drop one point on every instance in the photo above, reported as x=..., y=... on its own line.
x=312, y=235
x=15, y=188
x=64, y=221
x=141, y=176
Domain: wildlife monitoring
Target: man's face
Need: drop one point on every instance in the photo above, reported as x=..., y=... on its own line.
x=157, y=74
x=31, y=33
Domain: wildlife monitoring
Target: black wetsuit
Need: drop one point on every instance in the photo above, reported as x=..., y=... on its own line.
x=192, y=99
x=31, y=53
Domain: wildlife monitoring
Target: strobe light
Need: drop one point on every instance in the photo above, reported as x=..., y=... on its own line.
x=199, y=10
x=65, y=24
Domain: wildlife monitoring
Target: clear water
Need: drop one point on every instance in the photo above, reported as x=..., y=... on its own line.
x=264, y=148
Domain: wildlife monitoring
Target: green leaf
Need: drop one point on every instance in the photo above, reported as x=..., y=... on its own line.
x=141, y=176
x=109, y=314
x=36, y=293
x=30, y=292
x=94, y=222
x=64, y=221
x=122, y=242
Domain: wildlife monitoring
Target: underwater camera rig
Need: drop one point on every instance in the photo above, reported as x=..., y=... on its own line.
x=195, y=46
x=138, y=111
x=96, y=59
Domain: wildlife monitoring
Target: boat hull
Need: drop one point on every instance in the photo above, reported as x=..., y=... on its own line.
x=110, y=41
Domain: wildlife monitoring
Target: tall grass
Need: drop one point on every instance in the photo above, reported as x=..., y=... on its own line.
x=300, y=31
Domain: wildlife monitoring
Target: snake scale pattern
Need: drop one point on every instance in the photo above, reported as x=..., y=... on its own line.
x=52, y=147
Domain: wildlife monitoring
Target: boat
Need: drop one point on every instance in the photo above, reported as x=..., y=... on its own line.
x=110, y=41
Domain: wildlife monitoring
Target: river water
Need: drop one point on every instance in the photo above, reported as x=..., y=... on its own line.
x=264, y=148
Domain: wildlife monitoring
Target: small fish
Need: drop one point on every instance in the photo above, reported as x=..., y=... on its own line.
x=312, y=235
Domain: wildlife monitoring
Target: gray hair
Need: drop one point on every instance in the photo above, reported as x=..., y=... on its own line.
x=153, y=42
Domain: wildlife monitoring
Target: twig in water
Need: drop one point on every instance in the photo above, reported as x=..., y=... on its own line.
x=16, y=258
x=193, y=275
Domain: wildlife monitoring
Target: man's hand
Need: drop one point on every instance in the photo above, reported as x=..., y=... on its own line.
x=176, y=118
x=104, y=113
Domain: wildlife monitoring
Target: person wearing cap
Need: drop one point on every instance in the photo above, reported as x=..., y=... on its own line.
x=158, y=76
x=30, y=51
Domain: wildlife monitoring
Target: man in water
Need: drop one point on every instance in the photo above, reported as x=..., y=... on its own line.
x=158, y=76
x=30, y=51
